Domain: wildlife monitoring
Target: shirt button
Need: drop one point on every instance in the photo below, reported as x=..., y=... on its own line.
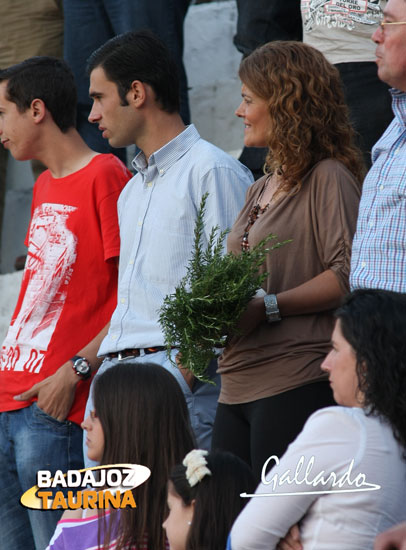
x=139, y=223
x=363, y=264
x=396, y=151
x=122, y=300
x=161, y=171
x=370, y=224
x=131, y=262
x=381, y=187
x=149, y=184
x=114, y=336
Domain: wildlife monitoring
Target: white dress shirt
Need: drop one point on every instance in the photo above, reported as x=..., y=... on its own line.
x=157, y=214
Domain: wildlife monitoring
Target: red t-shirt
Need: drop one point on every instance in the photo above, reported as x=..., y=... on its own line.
x=69, y=287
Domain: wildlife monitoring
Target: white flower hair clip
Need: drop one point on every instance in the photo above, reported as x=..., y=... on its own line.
x=196, y=466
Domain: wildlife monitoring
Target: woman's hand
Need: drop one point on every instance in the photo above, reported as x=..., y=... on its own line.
x=292, y=540
x=252, y=316
x=393, y=539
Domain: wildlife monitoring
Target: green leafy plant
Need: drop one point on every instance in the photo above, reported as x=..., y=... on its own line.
x=210, y=299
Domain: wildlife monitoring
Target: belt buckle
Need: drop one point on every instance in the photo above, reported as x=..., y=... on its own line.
x=120, y=356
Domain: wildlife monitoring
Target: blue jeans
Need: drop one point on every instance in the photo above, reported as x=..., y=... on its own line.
x=30, y=440
x=201, y=402
x=90, y=23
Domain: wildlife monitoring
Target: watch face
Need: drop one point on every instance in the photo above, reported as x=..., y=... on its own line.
x=82, y=367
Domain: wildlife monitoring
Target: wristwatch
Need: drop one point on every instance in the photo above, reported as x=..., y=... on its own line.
x=82, y=367
x=271, y=308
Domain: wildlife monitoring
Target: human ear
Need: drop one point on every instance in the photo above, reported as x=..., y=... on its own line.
x=137, y=93
x=38, y=110
x=191, y=511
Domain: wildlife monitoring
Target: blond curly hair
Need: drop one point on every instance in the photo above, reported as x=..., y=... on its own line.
x=309, y=119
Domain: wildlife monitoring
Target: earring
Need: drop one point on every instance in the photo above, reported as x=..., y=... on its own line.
x=189, y=523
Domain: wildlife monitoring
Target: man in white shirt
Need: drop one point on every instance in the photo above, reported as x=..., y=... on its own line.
x=135, y=91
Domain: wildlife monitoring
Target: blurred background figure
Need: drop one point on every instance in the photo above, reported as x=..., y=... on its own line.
x=343, y=35
x=90, y=23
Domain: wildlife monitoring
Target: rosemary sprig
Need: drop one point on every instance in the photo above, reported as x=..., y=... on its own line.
x=210, y=299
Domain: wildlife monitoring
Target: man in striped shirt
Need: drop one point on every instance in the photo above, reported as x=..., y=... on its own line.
x=379, y=247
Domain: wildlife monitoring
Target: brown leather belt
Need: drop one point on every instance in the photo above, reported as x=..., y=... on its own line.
x=136, y=352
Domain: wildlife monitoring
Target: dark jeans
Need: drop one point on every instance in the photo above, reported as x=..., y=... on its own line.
x=369, y=102
x=90, y=23
x=260, y=21
x=257, y=430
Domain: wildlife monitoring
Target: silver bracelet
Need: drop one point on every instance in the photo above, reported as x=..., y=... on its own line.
x=271, y=308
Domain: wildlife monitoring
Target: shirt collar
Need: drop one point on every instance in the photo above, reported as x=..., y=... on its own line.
x=169, y=153
x=399, y=105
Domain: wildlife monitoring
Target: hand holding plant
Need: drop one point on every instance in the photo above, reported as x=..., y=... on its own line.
x=210, y=299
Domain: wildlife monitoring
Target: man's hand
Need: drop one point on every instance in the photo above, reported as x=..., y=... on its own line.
x=393, y=539
x=56, y=393
x=186, y=373
x=292, y=540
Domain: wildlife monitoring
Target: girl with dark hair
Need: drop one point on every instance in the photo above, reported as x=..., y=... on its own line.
x=348, y=464
x=140, y=417
x=271, y=379
x=204, y=499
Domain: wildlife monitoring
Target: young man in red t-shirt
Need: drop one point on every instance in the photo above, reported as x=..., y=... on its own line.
x=67, y=295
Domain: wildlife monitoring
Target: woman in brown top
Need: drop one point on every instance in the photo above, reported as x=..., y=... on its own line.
x=271, y=377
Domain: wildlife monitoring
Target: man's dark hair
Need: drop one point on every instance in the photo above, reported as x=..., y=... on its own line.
x=47, y=78
x=139, y=56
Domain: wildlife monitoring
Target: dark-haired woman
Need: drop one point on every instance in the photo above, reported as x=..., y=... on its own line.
x=271, y=376
x=140, y=417
x=204, y=499
x=358, y=448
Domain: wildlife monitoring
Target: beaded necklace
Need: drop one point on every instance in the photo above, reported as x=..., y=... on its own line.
x=254, y=214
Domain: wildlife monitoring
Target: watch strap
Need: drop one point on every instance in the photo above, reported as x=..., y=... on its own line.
x=271, y=308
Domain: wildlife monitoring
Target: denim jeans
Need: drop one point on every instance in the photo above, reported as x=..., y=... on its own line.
x=201, y=401
x=30, y=440
x=261, y=21
x=90, y=23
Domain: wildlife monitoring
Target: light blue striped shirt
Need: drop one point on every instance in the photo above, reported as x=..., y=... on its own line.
x=157, y=212
x=379, y=247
